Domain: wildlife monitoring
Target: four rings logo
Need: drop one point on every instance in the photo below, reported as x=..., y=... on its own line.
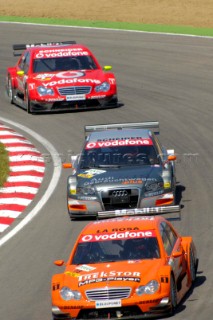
x=120, y=193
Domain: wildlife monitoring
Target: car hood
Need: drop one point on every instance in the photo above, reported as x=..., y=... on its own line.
x=124, y=273
x=69, y=78
x=118, y=176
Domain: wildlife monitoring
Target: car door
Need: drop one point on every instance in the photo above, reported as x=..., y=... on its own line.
x=174, y=250
x=22, y=72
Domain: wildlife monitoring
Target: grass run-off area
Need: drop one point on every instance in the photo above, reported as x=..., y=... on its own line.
x=4, y=164
x=114, y=25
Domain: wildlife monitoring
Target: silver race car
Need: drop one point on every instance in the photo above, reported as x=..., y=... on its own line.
x=121, y=166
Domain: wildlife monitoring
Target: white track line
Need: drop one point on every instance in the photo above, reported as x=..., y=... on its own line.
x=27, y=168
x=20, y=189
x=22, y=149
x=19, y=201
x=24, y=178
x=108, y=29
x=10, y=213
x=26, y=157
x=11, y=140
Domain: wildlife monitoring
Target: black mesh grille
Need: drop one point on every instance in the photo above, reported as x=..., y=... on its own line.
x=74, y=90
x=120, y=198
x=110, y=313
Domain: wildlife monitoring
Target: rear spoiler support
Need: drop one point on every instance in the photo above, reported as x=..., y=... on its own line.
x=21, y=47
x=138, y=212
x=152, y=125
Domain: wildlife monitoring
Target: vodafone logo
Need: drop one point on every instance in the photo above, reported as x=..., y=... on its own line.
x=117, y=235
x=115, y=143
x=74, y=80
x=62, y=53
x=70, y=74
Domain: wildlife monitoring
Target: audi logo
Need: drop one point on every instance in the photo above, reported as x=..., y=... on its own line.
x=120, y=193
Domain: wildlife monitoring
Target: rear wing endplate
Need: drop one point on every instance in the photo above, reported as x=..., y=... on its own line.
x=21, y=47
x=138, y=212
x=151, y=125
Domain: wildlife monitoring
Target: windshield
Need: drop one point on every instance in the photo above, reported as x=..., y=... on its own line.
x=63, y=64
x=117, y=157
x=116, y=250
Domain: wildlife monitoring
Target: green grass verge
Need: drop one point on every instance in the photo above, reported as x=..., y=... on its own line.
x=114, y=25
x=4, y=164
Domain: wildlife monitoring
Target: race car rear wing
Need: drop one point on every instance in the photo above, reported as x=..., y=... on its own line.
x=152, y=125
x=138, y=212
x=18, y=47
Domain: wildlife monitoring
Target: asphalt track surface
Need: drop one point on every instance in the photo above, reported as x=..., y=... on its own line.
x=160, y=77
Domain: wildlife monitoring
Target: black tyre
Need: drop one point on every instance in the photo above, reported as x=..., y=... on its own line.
x=174, y=195
x=27, y=101
x=173, y=294
x=10, y=90
x=193, y=266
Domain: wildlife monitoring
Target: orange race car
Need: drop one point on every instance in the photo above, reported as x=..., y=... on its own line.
x=131, y=267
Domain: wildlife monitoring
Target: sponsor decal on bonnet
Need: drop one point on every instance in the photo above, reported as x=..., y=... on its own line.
x=71, y=81
x=70, y=74
x=44, y=76
x=103, y=276
x=85, y=267
x=91, y=173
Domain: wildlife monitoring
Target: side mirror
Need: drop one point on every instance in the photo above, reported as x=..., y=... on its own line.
x=107, y=68
x=20, y=73
x=67, y=165
x=59, y=263
x=177, y=254
x=172, y=157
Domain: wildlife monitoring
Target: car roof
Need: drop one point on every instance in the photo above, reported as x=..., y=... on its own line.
x=118, y=134
x=123, y=224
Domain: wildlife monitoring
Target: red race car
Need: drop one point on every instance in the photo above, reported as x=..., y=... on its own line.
x=59, y=76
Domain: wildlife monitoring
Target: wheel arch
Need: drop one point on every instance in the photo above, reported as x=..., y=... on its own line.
x=13, y=80
x=71, y=181
x=188, y=246
x=164, y=275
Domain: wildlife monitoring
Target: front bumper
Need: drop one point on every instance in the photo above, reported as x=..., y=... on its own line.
x=156, y=309
x=82, y=208
x=63, y=105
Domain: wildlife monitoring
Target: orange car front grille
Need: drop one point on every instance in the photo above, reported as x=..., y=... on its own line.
x=108, y=293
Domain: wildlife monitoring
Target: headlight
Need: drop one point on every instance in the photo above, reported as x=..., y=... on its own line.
x=45, y=91
x=86, y=191
x=68, y=294
x=104, y=87
x=167, y=185
x=150, y=288
x=153, y=186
